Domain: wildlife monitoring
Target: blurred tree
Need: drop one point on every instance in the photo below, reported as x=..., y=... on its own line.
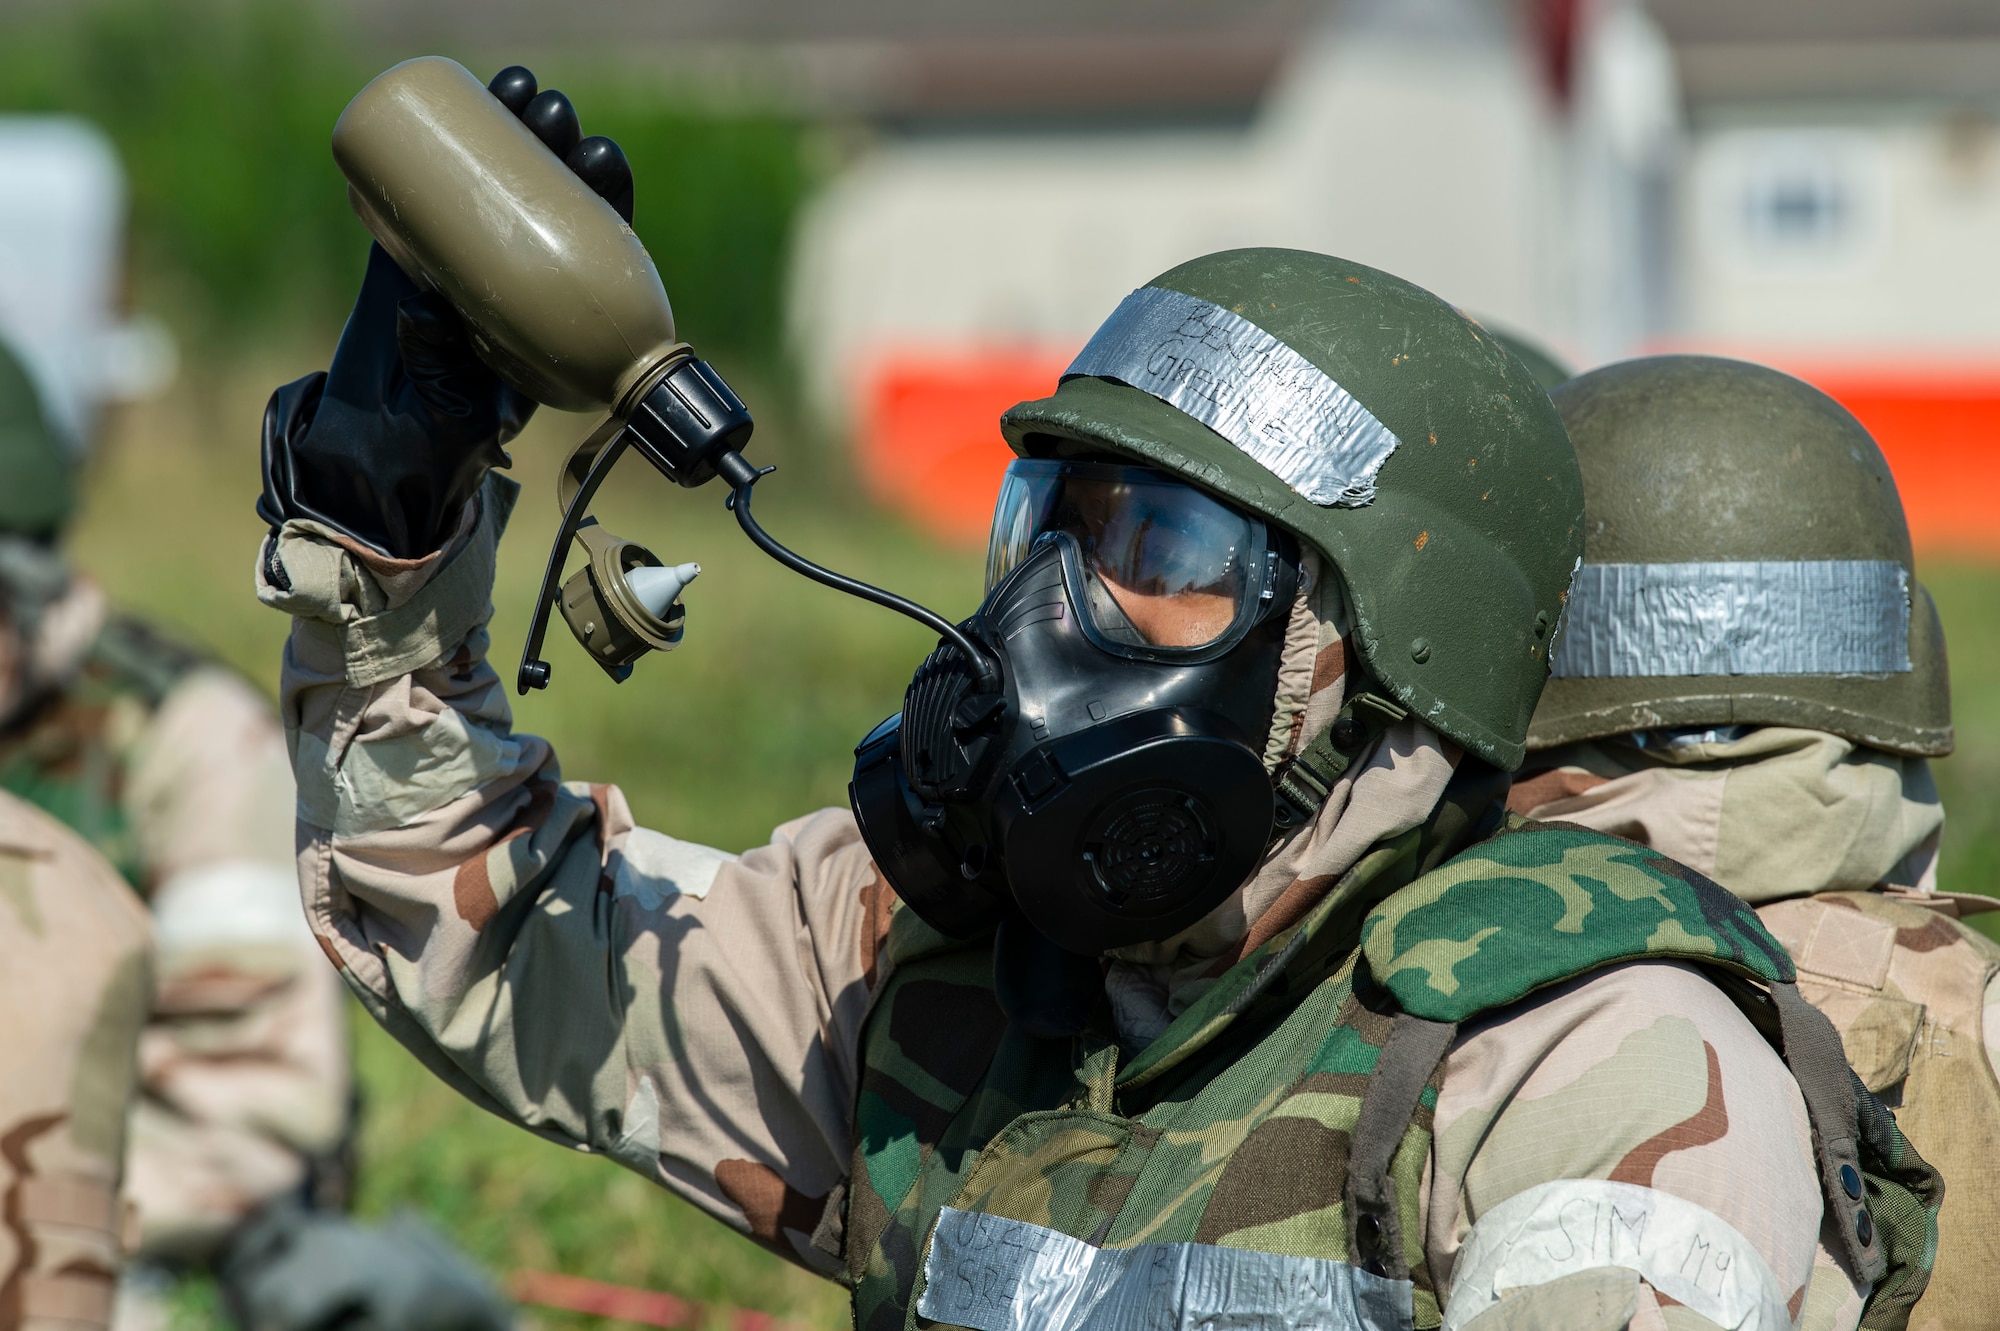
x=222, y=110
x=715, y=201
x=221, y=113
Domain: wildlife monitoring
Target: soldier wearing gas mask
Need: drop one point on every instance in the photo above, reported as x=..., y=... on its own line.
x=1175, y=963
x=1752, y=681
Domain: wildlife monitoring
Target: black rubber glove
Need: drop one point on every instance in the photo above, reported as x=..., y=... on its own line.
x=390, y=443
x=396, y=436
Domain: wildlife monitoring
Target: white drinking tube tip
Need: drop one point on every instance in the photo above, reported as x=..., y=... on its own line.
x=657, y=588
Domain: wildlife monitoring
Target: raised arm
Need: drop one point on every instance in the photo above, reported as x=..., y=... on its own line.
x=692, y=1013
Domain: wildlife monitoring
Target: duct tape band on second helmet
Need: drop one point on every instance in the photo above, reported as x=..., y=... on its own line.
x=1246, y=385
x=1736, y=617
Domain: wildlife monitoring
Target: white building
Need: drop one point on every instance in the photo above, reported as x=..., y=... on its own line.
x=944, y=275
x=62, y=273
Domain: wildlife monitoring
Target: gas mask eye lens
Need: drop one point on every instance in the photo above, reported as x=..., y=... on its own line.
x=1162, y=565
x=1013, y=529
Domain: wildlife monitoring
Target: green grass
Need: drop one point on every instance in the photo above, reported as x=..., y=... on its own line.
x=1968, y=600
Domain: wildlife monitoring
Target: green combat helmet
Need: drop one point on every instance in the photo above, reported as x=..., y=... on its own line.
x=1746, y=561
x=35, y=492
x=1436, y=477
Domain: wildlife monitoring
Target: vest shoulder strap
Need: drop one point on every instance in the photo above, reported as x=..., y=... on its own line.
x=1881, y=1197
x=1542, y=903
x=1408, y=1064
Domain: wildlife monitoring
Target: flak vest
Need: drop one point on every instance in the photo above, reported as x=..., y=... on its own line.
x=1260, y=1162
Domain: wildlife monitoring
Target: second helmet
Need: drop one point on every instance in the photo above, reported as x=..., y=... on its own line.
x=1746, y=561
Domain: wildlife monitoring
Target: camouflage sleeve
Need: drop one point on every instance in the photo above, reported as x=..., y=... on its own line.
x=691, y=1013
x=1631, y=1119
x=243, y=1065
x=73, y=991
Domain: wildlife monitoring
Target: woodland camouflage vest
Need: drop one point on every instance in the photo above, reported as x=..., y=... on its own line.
x=1259, y=1163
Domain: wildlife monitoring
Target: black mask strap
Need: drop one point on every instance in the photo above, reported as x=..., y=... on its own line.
x=1303, y=782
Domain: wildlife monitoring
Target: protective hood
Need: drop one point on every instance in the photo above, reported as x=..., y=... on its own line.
x=1384, y=794
x=1771, y=813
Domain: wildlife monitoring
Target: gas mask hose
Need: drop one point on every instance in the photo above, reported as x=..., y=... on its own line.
x=690, y=457
x=733, y=468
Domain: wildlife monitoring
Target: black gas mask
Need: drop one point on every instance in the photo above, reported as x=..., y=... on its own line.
x=1078, y=767
x=1109, y=787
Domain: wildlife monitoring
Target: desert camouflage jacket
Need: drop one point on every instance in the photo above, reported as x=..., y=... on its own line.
x=74, y=979
x=704, y=1017
x=175, y=769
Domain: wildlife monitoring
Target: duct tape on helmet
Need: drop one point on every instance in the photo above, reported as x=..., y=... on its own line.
x=1248, y=387
x=1737, y=617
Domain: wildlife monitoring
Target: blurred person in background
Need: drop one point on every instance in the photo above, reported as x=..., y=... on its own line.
x=1290, y=1038
x=1753, y=681
x=174, y=768
x=75, y=989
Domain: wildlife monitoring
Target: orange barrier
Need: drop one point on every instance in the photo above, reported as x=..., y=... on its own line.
x=1940, y=431
x=929, y=441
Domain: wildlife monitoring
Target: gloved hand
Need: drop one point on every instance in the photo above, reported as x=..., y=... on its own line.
x=289, y=1269
x=390, y=442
